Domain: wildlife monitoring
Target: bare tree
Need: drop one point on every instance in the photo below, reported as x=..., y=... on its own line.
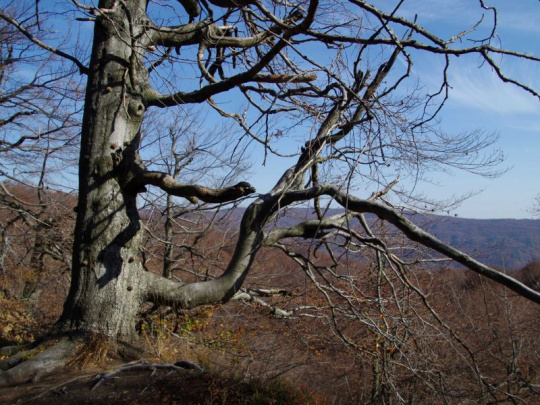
x=39, y=127
x=535, y=209
x=195, y=154
x=338, y=73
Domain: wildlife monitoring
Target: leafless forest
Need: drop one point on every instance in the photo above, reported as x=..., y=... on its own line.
x=129, y=229
x=438, y=336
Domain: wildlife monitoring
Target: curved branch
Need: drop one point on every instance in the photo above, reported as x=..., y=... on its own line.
x=413, y=232
x=82, y=68
x=192, y=7
x=153, y=98
x=166, y=292
x=191, y=192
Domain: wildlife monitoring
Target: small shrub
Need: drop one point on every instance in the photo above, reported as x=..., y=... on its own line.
x=530, y=275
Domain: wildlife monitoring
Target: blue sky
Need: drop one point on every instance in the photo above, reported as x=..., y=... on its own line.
x=479, y=100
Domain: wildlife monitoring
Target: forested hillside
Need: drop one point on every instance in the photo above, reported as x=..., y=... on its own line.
x=273, y=333
x=505, y=243
x=236, y=192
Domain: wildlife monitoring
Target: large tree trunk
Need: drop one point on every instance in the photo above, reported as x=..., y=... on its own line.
x=106, y=289
x=109, y=282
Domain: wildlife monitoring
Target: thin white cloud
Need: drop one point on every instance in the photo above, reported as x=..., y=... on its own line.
x=457, y=11
x=481, y=88
x=521, y=16
x=527, y=125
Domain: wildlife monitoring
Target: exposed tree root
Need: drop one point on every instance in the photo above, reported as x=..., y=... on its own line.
x=143, y=364
x=12, y=361
x=59, y=387
x=24, y=369
x=11, y=350
x=33, y=361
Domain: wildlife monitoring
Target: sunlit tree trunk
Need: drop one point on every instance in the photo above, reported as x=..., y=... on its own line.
x=106, y=288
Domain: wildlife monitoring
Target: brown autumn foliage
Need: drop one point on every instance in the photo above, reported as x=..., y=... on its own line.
x=530, y=275
x=35, y=257
x=411, y=335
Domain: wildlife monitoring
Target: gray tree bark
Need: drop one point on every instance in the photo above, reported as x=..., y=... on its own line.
x=109, y=282
x=106, y=288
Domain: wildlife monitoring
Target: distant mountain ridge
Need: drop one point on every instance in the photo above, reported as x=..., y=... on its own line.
x=508, y=244
x=503, y=243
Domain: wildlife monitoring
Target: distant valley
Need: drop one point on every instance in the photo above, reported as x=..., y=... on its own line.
x=503, y=243
x=507, y=244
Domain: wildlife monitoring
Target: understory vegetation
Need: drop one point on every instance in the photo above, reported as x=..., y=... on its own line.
x=225, y=196
x=426, y=342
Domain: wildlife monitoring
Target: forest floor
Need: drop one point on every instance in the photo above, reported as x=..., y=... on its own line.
x=142, y=386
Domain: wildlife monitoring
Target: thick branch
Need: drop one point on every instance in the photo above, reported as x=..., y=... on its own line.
x=413, y=232
x=310, y=229
x=211, y=35
x=188, y=34
x=153, y=98
x=278, y=78
x=191, y=192
x=166, y=292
